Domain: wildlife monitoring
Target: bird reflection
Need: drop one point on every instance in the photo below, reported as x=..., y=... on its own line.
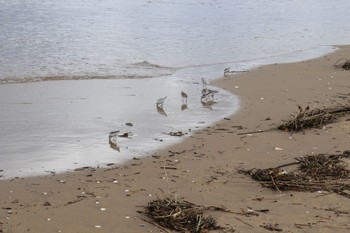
x=112, y=140
x=161, y=111
x=208, y=104
x=184, y=107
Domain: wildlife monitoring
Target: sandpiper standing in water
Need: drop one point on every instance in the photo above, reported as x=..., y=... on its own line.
x=160, y=102
x=184, y=97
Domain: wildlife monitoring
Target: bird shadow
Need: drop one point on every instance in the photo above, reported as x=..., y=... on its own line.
x=208, y=104
x=161, y=111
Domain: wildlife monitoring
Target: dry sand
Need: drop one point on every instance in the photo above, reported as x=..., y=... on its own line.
x=204, y=166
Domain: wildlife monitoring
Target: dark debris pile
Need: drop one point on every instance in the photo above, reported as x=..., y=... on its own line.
x=314, y=173
x=314, y=118
x=342, y=63
x=179, y=215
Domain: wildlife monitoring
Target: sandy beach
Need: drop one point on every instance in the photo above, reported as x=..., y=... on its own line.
x=203, y=169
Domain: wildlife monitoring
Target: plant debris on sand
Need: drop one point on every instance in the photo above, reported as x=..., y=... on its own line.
x=342, y=63
x=179, y=215
x=314, y=173
x=314, y=118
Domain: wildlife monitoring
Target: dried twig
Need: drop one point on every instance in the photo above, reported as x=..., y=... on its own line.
x=243, y=222
x=253, y=132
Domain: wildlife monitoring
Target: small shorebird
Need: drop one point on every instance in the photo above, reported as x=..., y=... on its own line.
x=160, y=102
x=204, y=83
x=206, y=91
x=227, y=71
x=208, y=94
x=184, y=97
x=113, y=134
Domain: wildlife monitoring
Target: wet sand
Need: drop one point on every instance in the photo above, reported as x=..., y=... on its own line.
x=203, y=168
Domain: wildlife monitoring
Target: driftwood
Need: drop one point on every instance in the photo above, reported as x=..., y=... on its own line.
x=342, y=63
x=314, y=173
x=314, y=118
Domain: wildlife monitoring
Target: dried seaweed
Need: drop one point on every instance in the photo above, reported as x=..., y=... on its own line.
x=179, y=215
x=323, y=167
x=314, y=118
x=342, y=63
x=271, y=227
x=314, y=173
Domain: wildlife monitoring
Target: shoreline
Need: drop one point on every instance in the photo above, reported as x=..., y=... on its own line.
x=203, y=168
x=51, y=151
x=68, y=124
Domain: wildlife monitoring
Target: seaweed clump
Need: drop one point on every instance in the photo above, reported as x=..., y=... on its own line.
x=179, y=215
x=314, y=173
x=314, y=118
x=342, y=63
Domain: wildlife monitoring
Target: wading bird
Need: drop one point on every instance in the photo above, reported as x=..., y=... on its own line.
x=208, y=94
x=160, y=102
x=184, y=97
x=227, y=71
x=204, y=83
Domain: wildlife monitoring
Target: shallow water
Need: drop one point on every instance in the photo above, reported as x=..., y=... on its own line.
x=61, y=125
x=108, y=62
